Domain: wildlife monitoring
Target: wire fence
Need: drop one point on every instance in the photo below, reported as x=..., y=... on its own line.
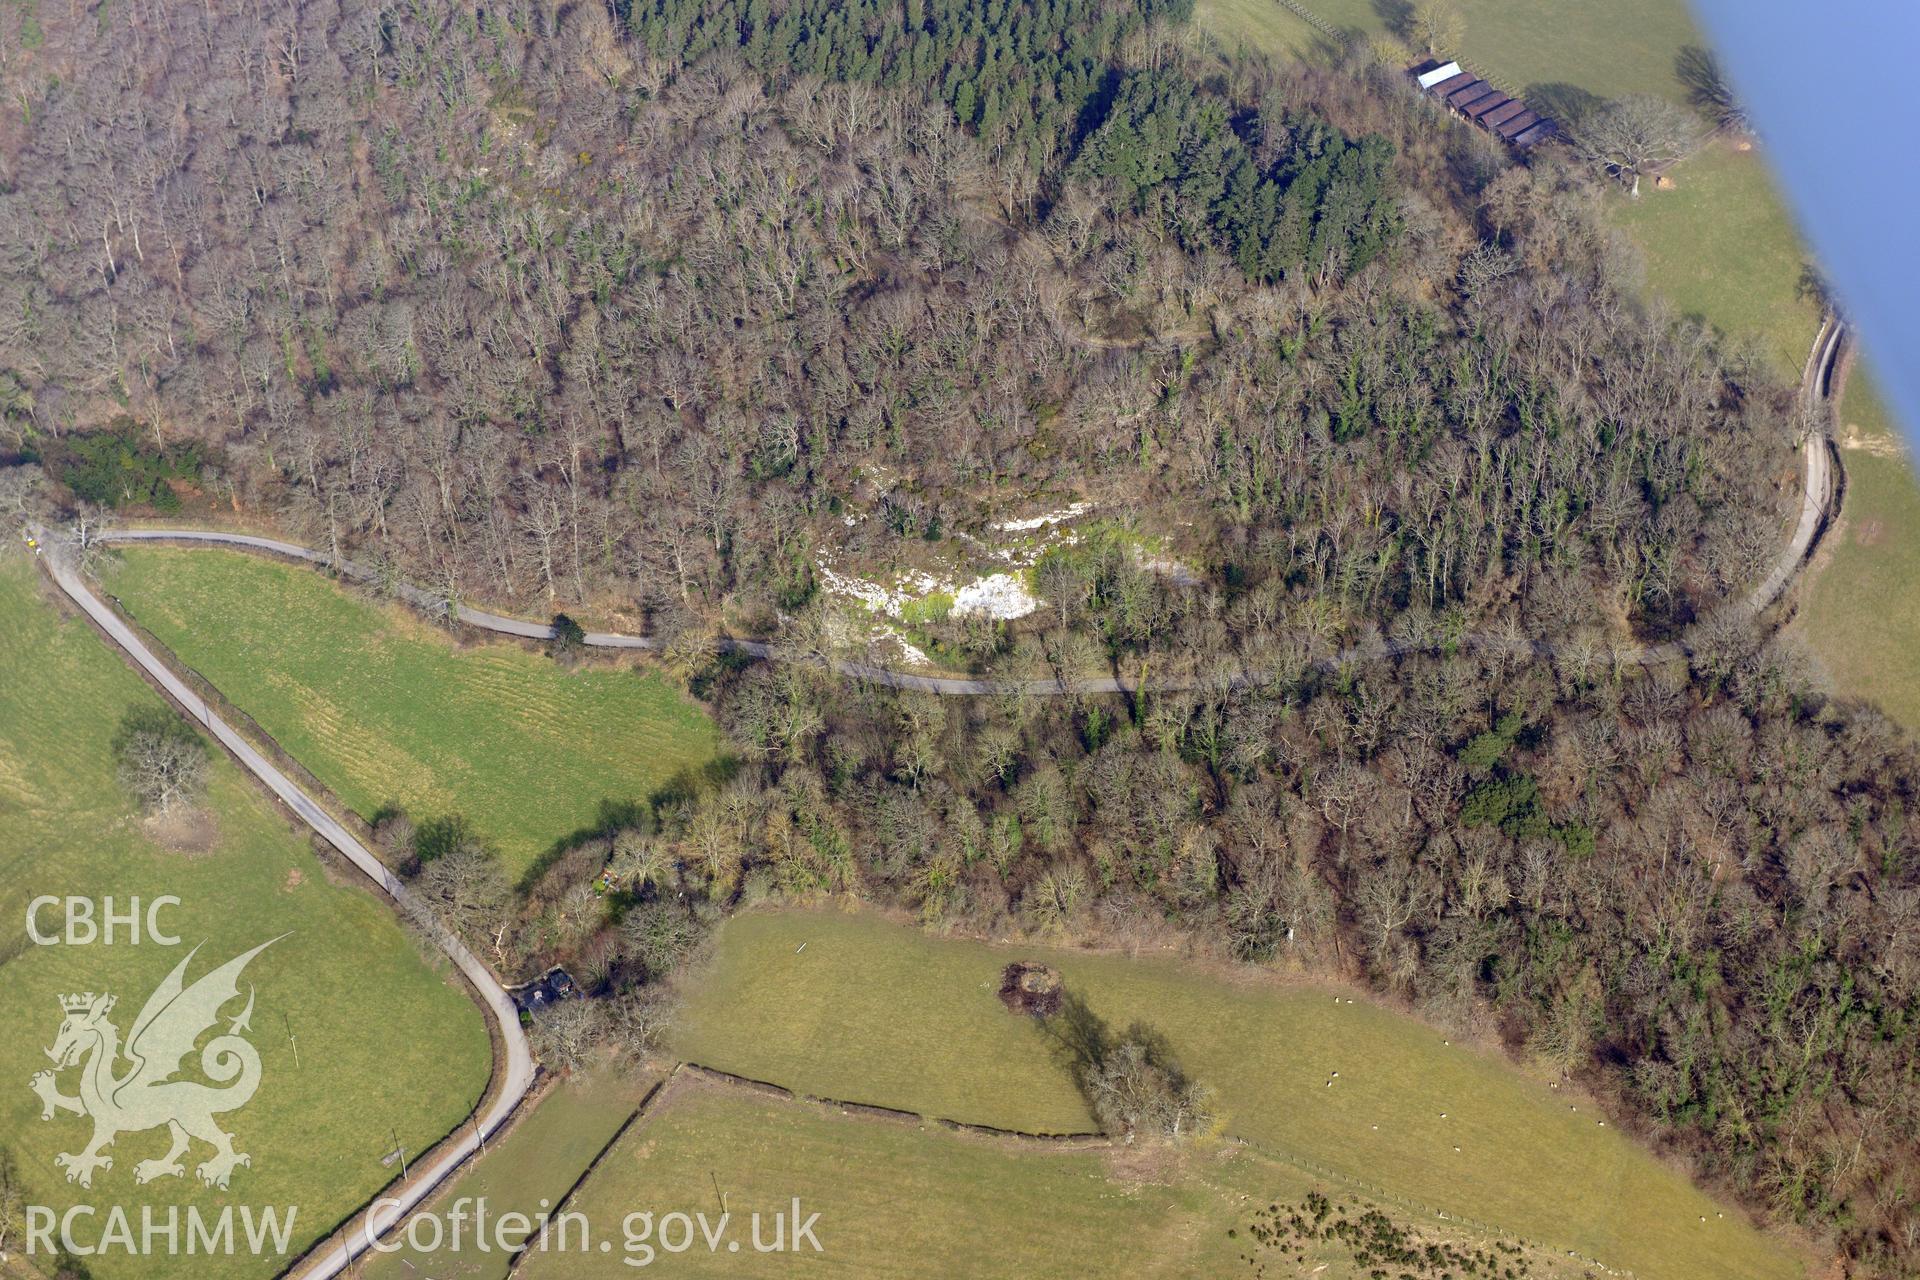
x=1312, y=19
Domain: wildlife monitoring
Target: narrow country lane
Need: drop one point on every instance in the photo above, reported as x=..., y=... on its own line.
x=1816, y=500
x=515, y=1076
x=512, y=1077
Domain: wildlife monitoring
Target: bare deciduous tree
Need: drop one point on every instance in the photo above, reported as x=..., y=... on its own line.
x=466, y=891
x=1634, y=136
x=566, y=1033
x=1137, y=1088
x=1439, y=25
x=12, y=1200
x=162, y=761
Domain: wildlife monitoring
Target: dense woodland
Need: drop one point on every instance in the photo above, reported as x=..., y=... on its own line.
x=573, y=307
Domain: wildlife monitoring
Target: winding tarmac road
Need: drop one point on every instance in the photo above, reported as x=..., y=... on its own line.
x=1817, y=491
x=1815, y=507
x=515, y=1076
x=512, y=1078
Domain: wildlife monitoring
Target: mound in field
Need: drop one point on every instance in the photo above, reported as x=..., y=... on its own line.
x=1031, y=988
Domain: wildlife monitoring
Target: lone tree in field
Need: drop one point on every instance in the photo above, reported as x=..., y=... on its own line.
x=1138, y=1087
x=1132, y=1081
x=162, y=761
x=1635, y=135
x=1438, y=24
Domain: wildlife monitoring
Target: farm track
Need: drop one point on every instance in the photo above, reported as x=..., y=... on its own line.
x=1817, y=509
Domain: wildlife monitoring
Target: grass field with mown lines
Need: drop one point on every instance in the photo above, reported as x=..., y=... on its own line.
x=387, y=710
x=387, y=1043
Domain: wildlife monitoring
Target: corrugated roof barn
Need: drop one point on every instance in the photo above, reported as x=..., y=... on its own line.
x=1471, y=98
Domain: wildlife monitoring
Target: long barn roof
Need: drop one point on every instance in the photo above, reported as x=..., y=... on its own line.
x=1499, y=116
x=1513, y=126
x=1506, y=117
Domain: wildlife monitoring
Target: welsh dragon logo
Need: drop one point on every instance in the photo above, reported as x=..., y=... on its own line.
x=145, y=1095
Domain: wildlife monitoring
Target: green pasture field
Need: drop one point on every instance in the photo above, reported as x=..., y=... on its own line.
x=1721, y=247
x=1629, y=46
x=853, y=1007
x=388, y=711
x=386, y=1044
x=527, y=1171
x=1861, y=611
x=1262, y=26
x=905, y=1199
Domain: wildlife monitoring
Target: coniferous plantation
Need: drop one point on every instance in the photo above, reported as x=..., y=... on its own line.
x=574, y=307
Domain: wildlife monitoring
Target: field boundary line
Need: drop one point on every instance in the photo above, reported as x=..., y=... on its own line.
x=644, y=1106
x=1097, y=1141
x=332, y=861
x=1312, y=19
x=257, y=735
x=751, y=1083
x=244, y=723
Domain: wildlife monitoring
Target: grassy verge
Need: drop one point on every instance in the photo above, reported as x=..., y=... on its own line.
x=899, y=1199
x=529, y=1170
x=387, y=711
x=1861, y=611
x=876, y=1012
x=385, y=1046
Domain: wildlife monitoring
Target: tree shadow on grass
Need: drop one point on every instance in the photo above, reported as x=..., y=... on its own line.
x=1568, y=104
x=1081, y=1041
x=1396, y=16
x=1078, y=1038
x=1707, y=88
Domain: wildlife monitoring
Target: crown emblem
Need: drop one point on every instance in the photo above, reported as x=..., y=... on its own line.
x=78, y=1003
